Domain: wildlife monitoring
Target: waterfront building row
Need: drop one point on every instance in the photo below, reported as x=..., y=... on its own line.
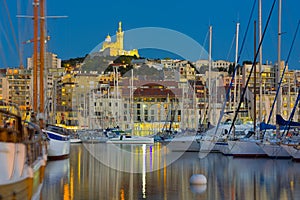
x=81, y=100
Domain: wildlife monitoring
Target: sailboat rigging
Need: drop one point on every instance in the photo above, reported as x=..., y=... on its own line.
x=283, y=72
x=233, y=74
x=254, y=62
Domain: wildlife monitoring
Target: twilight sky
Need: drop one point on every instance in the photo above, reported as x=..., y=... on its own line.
x=89, y=22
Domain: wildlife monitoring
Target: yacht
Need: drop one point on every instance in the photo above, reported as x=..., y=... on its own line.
x=59, y=144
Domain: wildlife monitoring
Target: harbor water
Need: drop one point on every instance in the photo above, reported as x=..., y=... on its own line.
x=107, y=171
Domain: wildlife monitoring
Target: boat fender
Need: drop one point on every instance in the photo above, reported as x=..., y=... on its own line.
x=198, y=179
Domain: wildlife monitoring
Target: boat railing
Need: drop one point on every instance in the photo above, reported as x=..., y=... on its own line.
x=34, y=142
x=58, y=129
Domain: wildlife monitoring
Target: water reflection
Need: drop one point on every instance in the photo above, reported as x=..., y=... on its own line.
x=57, y=180
x=198, y=189
x=84, y=177
x=133, y=158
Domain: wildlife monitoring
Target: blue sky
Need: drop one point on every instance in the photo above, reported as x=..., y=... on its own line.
x=89, y=22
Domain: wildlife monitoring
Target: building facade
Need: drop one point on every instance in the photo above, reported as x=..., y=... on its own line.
x=268, y=85
x=19, y=88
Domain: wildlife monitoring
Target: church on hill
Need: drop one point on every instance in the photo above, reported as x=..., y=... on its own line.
x=116, y=48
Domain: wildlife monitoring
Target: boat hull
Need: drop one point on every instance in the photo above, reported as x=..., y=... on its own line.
x=184, y=146
x=223, y=148
x=275, y=151
x=186, y=143
x=17, y=179
x=293, y=151
x=245, y=149
x=131, y=140
x=59, y=145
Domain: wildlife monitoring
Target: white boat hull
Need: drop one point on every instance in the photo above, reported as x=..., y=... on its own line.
x=58, y=149
x=223, y=148
x=59, y=145
x=208, y=146
x=131, y=140
x=16, y=177
x=274, y=151
x=184, y=143
x=245, y=149
x=292, y=151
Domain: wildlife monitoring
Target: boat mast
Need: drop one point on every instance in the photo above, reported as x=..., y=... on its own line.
x=35, y=52
x=195, y=107
x=183, y=108
x=260, y=60
x=236, y=72
x=254, y=85
x=131, y=102
x=238, y=84
x=209, y=74
x=42, y=59
x=278, y=103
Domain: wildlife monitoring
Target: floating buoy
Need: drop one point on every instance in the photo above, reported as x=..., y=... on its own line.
x=198, y=179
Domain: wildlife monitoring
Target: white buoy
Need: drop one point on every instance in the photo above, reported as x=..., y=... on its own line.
x=198, y=179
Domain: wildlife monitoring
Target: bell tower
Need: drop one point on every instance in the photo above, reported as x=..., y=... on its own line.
x=120, y=37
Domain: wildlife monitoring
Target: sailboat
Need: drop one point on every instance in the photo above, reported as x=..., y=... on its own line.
x=269, y=146
x=59, y=142
x=217, y=138
x=23, y=155
x=277, y=146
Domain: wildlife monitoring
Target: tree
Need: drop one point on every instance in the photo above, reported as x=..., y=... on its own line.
x=72, y=62
x=125, y=59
